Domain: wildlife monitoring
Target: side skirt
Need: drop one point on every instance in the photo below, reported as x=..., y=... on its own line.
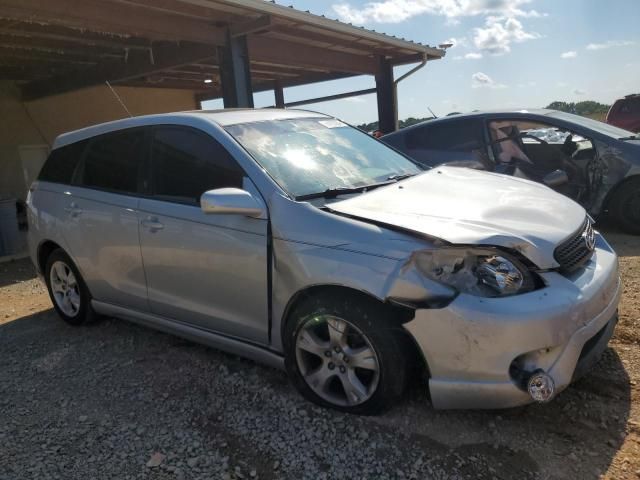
x=195, y=334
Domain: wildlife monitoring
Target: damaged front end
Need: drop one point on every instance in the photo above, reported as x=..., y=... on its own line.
x=480, y=271
x=496, y=320
x=511, y=334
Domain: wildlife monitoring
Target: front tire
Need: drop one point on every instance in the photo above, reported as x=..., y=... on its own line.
x=67, y=290
x=345, y=352
x=625, y=206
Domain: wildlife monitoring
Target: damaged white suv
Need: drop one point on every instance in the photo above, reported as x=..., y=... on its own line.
x=293, y=239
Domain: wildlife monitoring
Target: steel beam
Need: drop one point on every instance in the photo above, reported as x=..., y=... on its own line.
x=387, y=98
x=328, y=98
x=100, y=16
x=278, y=93
x=281, y=52
x=140, y=65
x=235, y=73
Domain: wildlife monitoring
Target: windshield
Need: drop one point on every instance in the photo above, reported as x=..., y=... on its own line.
x=312, y=155
x=600, y=127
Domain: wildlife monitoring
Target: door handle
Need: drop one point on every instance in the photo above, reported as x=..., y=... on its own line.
x=73, y=209
x=152, y=224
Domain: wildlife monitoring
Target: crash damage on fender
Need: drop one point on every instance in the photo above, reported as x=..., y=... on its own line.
x=499, y=321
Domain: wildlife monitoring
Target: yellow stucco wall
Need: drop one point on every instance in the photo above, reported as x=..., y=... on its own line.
x=41, y=121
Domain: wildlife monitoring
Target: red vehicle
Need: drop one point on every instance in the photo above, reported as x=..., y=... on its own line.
x=625, y=113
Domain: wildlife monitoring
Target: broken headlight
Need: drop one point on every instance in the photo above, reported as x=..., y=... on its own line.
x=480, y=272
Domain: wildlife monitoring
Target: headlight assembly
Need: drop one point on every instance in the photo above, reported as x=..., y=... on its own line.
x=477, y=271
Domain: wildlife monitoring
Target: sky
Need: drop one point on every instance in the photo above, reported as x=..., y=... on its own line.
x=505, y=54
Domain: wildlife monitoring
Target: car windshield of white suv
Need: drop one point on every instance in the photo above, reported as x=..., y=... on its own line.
x=321, y=157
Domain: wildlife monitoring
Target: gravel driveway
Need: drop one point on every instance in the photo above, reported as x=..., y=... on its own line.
x=114, y=400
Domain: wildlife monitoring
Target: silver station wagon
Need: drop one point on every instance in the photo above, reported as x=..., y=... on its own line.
x=296, y=240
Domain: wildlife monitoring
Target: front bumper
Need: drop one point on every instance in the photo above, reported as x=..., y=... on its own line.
x=472, y=345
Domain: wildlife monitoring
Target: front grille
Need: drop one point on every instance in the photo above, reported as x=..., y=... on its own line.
x=577, y=249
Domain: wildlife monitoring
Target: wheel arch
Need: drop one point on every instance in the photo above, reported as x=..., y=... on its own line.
x=44, y=250
x=402, y=313
x=635, y=177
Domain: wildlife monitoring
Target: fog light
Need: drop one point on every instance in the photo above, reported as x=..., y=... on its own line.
x=541, y=386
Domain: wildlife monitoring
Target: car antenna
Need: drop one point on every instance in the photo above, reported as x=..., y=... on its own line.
x=115, y=94
x=434, y=115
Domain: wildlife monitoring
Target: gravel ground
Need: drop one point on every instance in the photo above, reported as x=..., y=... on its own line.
x=114, y=400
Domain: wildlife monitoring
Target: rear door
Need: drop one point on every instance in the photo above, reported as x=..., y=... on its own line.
x=209, y=271
x=101, y=218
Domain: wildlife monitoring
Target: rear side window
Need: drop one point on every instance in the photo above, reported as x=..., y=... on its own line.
x=630, y=106
x=186, y=163
x=113, y=161
x=62, y=162
x=457, y=136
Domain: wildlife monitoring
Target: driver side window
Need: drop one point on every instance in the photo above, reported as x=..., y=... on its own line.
x=186, y=163
x=538, y=148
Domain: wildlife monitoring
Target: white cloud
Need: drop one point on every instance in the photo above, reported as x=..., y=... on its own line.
x=469, y=56
x=455, y=42
x=579, y=91
x=569, y=54
x=610, y=44
x=395, y=11
x=562, y=84
x=499, y=33
x=355, y=99
x=482, y=80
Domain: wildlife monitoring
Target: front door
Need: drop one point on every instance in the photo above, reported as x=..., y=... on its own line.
x=206, y=270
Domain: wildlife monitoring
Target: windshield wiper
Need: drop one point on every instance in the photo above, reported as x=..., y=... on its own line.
x=630, y=137
x=334, y=192
x=400, y=176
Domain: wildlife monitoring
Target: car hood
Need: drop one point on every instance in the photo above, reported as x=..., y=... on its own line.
x=464, y=206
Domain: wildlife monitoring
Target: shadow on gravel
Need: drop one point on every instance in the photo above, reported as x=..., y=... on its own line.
x=577, y=435
x=101, y=400
x=624, y=244
x=16, y=271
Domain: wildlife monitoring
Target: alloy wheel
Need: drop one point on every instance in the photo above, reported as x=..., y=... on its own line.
x=65, y=288
x=337, y=361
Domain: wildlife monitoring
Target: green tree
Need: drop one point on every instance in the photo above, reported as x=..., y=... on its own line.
x=586, y=108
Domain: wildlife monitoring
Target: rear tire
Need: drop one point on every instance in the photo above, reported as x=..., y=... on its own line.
x=345, y=352
x=624, y=206
x=67, y=290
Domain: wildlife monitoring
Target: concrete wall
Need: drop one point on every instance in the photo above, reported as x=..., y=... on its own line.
x=39, y=122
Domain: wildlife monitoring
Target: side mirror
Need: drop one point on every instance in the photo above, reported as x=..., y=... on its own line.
x=555, y=178
x=230, y=201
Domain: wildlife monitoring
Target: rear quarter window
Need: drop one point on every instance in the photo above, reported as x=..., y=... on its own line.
x=633, y=105
x=458, y=136
x=627, y=106
x=62, y=163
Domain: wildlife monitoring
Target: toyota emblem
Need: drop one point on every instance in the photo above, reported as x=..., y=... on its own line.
x=589, y=237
